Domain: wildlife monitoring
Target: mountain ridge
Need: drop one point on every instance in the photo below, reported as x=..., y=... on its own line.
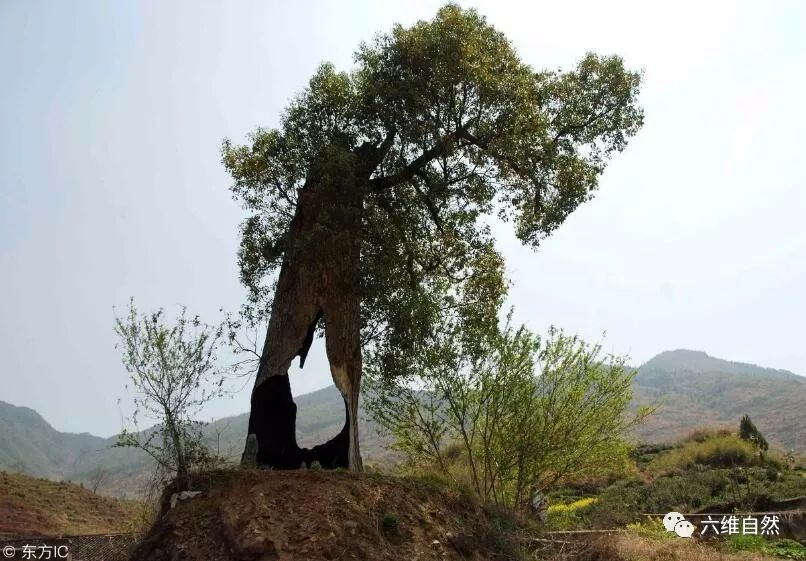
x=694, y=388
x=685, y=358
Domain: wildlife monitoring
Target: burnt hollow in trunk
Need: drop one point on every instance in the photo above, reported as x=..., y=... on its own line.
x=335, y=452
x=273, y=421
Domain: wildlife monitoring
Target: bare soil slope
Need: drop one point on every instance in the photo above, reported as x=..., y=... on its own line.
x=273, y=515
x=37, y=507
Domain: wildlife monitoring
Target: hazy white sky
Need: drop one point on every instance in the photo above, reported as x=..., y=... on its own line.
x=112, y=114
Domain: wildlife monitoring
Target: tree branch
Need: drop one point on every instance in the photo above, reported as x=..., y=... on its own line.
x=411, y=169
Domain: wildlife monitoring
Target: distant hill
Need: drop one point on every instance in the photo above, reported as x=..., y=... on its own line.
x=693, y=388
x=696, y=389
x=38, y=507
x=320, y=417
x=28, y=444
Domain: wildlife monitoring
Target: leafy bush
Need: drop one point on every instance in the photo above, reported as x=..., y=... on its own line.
x=618, y=505
x=508, y=412
x=788, y=549
x=626, y=501
x=645, y=453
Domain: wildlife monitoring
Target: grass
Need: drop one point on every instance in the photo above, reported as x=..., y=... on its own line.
x=651, y=529
x=713, y=451
x=635, y=547
x=643, y=545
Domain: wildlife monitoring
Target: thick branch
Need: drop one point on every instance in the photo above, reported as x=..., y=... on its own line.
x=411, y=169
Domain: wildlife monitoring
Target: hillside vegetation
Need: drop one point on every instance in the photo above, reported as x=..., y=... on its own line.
x=710, y=471
x=265, y=514
x=693, y=388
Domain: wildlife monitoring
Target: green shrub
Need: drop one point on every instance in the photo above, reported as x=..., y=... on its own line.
x=682, y=493
x=618, y=504
x=745, y=488
x=645, y=453
x=746, y=543
x=787, y=549
x=389, y=521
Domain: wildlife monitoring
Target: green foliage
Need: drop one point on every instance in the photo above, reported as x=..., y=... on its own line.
x=749, y=432
x=784, y=548
x=569, y=516
x=651, y=528
x=174, y=372
x=438, y=128
x=699, y=487
x=507, y=412
x=624, y=501
x=389, y=521
x=787, y=549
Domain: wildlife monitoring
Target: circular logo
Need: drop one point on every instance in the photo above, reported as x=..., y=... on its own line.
x=671, y=519
x=9, y=551
x=684, y=529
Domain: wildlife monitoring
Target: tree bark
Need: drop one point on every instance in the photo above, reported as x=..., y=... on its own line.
x=182, y=472
x=318, y=282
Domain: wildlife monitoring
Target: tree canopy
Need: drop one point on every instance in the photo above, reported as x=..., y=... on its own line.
x=445, y=127
x=174, y=373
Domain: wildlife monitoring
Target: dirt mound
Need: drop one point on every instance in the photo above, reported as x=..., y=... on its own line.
x=259, y=515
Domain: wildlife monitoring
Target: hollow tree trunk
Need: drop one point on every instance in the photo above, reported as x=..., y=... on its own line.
x=318, y=282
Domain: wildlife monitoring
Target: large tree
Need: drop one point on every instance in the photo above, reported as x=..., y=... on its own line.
x=373, y=199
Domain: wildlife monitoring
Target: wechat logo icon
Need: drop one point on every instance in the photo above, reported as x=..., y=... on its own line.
x=676, y=522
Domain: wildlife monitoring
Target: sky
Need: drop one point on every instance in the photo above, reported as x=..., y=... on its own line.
x=111, y=121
